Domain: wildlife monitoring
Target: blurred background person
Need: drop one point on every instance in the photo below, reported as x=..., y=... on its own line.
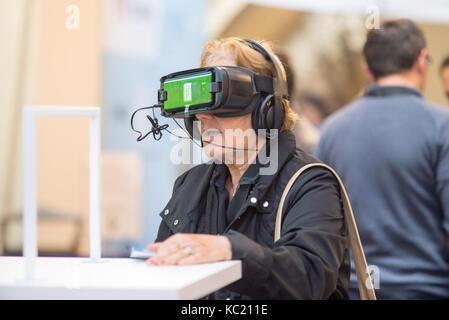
x=391, y=149
x=444, y=71
x=306, y=134
x=314, y=108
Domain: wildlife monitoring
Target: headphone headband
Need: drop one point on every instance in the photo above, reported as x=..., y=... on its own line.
x=264, y=116
x=281, y=76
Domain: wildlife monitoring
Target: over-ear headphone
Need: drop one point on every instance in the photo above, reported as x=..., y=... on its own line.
x=270, y=113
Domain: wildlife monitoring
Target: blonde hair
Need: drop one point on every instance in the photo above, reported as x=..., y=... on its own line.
x=249, y=58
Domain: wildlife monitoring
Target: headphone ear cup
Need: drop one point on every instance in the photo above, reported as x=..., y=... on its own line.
x=269, y=114
x=262, y=117
x=279, y=114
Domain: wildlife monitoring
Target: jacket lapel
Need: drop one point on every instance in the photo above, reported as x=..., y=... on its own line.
x=184, y=205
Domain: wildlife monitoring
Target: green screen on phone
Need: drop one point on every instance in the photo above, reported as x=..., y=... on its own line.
x=188, y=90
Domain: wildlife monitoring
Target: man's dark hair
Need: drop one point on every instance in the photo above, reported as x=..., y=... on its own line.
x=445, y=63
x=393, y=48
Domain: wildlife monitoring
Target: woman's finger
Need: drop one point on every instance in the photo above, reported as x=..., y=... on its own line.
x=170, y=254
x=154, y=246
x=163, y=251
x=176, y=257
x=189, y=249
x=195, y=258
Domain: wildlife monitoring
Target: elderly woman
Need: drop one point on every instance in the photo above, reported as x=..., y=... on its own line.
x=226, y=209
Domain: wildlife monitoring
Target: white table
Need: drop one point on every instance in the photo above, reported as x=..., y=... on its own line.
x=79, y=278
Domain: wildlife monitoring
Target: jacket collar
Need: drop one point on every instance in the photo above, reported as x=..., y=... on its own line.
x=178, y=212
x=282, y=149
x=376, y=90
x=284, y=146
x=187, y=199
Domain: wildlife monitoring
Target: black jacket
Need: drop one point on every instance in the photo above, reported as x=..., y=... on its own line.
x=310, y=260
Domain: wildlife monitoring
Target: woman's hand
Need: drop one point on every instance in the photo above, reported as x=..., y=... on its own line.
x=189, y=248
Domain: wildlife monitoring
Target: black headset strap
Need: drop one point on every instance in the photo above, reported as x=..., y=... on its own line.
x=263, y=83
x=282, y=87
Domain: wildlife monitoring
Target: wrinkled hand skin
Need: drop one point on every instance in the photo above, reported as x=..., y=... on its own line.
x=189, y=249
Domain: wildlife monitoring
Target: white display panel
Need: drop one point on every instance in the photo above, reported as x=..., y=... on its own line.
x=29, y=118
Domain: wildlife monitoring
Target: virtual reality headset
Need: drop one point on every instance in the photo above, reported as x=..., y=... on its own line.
x=225, y=91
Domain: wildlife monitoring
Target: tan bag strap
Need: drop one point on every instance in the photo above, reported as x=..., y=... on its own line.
x=363, y=276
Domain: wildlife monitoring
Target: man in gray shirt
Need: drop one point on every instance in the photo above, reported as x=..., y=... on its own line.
x=391, y=148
